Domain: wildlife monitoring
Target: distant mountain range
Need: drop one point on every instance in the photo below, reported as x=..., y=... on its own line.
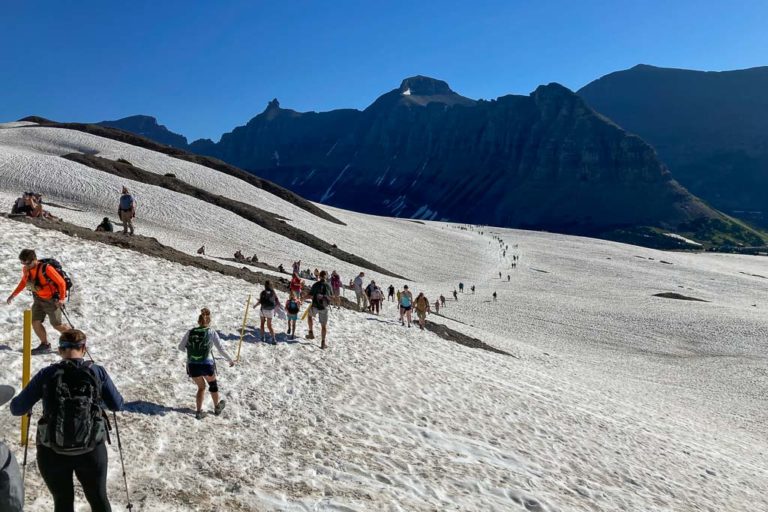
x=710, y=128
x=422, y=151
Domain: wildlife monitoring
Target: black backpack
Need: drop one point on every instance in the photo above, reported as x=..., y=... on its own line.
x=198, y=345
x=267, y=299
x=293, y=307
x=320, y=295
x=74, y=421
x=43, y=266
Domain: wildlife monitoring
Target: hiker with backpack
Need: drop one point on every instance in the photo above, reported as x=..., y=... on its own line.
x=11, y=483
x=268, y=301
x=292, y=309
x=391, y=293
x=126, y=211
x=72, y=430
x=461, y=287
x=201, y=365
x=422, y=308
x=376, y=298
x=406, y=305
x=320, y=293
x=49, y=285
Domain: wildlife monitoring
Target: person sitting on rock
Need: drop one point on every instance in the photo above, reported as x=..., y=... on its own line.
x=239, y=256
x=106, y=226
x=254, y=259
x=201, y=250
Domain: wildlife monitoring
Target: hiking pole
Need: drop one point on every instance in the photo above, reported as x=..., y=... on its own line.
x=64, y=310
x=122, y=462
x=26, y=446
x=242, y=329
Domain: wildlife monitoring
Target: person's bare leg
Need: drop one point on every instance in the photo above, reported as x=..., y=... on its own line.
x=200, y=381
x=322, y=332
x=309, y=323
x=261, y=327
x=39, y=329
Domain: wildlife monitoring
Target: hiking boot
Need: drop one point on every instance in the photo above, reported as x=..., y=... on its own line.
x=43, y=348
x=263, y=339
x=201, y=414
x=310, y=336
x=323, y=346
x=274, y=340
x=219, y=407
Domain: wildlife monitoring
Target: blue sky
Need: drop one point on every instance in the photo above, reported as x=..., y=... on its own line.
x=204, y=67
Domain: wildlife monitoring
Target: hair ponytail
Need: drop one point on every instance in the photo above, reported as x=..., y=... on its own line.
x=205, y=317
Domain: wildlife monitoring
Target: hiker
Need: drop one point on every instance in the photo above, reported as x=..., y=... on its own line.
x=442, y=300
x=508, y=278
x=376, y=297
x=201, y=365
x=201, y=250
x=359, y=294
x=422, y=308
x=126, y=211
x=296, y=266
x=21, y=205
x=461, y=287
x=316, y=273
x=281, y=269
x=321, y=296
x=455, y=295
x=295, y=285
x=437, y=306
x=239, y=255
x=72, y=430
x=254, y=259
x=292, y=309
x=391, y=293
x=106, y=226
x=49, y=291
x=368, y=291
x=494, y=296
x=499, y=275
x=268, y=301
x=336, y=288
x=11, y=483
x=473, y=289
x=406, y=304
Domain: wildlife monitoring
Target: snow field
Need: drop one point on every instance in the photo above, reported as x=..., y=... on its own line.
x=618, y=400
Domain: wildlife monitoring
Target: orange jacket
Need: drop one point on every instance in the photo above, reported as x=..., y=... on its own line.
x=50, y=283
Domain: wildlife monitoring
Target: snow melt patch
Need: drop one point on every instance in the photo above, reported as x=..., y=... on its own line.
x=682, y=239
x=407, y=92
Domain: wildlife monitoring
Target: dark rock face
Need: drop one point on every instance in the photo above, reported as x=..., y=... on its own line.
x=147, y=126
x=710, y=128
x=544, y=161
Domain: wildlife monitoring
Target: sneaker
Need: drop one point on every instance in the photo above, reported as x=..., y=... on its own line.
x=274, y=340
x=310, y=336
x=219, y=407
x=201, y=414
x=43, y=348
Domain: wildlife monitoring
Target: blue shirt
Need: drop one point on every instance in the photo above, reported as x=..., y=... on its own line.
x=30, y=395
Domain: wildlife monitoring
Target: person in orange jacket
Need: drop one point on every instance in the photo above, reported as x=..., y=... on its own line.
x=49, y=291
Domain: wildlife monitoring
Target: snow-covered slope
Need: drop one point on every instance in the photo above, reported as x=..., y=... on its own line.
x=617, y=400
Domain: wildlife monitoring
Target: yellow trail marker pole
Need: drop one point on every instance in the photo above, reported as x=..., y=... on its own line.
x=242, y=330
x=26, y=368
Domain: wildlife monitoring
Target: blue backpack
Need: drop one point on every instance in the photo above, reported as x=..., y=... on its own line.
x=126, y=202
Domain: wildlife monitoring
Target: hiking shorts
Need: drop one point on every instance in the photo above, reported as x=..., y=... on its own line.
x=293, y=317
x=322, y=314
x=200, y=369
x=42, y=308
x=267, y=313
x=421, y=314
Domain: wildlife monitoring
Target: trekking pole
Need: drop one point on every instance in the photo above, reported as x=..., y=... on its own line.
x=122, y=462
x=64, y=310
x=26, y=446
x=242, y=329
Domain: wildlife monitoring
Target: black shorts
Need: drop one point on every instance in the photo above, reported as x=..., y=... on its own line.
x=201, y=369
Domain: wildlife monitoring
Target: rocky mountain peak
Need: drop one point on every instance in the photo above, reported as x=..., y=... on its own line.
x=420, y=85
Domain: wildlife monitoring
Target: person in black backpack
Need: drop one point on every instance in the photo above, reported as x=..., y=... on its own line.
x=72, y=430
x=201, y=366
x=268, y=301
x=49, y=285
x=292, y=309
x=321, y=294
x=11, y=484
